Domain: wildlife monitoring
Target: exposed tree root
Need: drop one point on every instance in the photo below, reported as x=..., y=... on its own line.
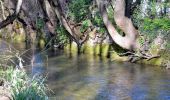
x=136, y=56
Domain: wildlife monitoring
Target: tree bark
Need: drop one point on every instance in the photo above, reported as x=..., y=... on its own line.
x=63, y=21
x=125, y=24
x=60, y=11
x=11, y=18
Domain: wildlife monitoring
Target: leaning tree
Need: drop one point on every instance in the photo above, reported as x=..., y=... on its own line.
x=122, y=19
x=54, y=12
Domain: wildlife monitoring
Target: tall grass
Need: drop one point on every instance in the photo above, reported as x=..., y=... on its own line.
x=23, y=87
x=16, y=80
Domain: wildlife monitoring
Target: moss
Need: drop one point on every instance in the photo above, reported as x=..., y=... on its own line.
x=74, y=48
x=82, y=49
x=164, y=58
x=67, y=47
x=89, y=49
x=115, y=56
x=71, y=48
x=154, y=61
x=97, y=49
x=165, y=55
x=155, y=50
x=41, y=43
x=105, y=50
x=19, y=38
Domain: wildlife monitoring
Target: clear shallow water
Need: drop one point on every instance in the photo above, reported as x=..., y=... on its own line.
x=92, y=78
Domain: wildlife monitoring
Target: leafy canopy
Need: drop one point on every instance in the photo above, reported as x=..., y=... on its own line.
x=79, y=9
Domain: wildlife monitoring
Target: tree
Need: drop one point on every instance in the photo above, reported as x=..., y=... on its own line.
x=129, y=41
x=46, y=15
x=60, y=8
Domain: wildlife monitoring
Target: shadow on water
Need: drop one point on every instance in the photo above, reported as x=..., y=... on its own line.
x=92, y=78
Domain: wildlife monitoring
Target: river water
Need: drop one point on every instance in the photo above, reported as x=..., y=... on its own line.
x=85, y=77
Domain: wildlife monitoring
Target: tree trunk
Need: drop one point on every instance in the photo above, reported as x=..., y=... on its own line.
x=63, y=21
x=125, y=24
x=60, y=9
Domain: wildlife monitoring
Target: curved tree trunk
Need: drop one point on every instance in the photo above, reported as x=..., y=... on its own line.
x=129, y=40
x=124, y=23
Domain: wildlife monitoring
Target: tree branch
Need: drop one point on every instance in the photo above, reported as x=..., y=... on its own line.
x=134, y=57
x=11, y=18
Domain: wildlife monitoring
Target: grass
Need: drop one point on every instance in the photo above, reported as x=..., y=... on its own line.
x=15, y=80
x=23, y=87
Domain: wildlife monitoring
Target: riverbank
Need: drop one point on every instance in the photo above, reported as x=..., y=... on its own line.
x=107, y=51
x=17, y=85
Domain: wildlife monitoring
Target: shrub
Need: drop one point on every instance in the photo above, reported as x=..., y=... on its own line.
x=61, y=37
x=79, y=9
x=151, y=23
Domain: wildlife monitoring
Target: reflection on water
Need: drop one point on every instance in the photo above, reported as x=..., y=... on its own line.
x=88, y=78
x=91, y=78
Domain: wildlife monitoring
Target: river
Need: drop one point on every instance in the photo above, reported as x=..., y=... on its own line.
x=85, y=77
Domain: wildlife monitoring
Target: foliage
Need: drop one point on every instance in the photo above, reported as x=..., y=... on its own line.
x=97, y=20
x=85, y=25
x=150, y=23
x=156, y=24
x=22, y=87
x=61, y=37
x=111, y=14
x=79, y=9
x=40, y=23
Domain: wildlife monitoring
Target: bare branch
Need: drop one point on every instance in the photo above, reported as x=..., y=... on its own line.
x=11, y=18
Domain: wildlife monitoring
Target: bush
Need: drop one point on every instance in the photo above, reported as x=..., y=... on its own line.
x=79, y=9
x=150, y=23
x=61, y=37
